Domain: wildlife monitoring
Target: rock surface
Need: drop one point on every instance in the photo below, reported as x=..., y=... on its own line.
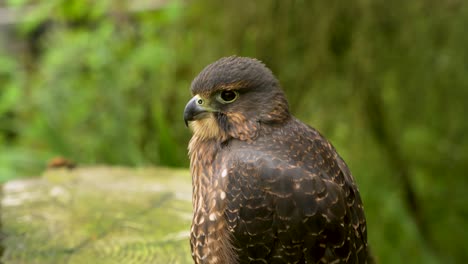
x=98, y=215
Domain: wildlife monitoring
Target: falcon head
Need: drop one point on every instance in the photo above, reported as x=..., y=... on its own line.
x=233, y=97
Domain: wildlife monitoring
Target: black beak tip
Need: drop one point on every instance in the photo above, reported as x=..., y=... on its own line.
x=187, y=116
x=193, y=111
x=189, y=111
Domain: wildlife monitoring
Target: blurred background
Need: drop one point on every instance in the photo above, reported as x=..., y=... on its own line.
x=106, y=82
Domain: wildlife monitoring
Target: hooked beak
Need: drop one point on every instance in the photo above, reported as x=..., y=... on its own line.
x=195, y=109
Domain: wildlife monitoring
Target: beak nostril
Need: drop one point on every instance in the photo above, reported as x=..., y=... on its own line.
x=195, y=109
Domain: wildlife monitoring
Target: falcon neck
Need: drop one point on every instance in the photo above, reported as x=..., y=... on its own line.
x=203, y=150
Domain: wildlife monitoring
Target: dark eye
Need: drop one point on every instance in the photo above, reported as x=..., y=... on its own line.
x=228, y=96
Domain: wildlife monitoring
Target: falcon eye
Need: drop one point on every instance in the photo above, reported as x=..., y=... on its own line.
x=228, y=96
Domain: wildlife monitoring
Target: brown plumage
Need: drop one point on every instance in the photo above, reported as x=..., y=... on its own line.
x=266, y=187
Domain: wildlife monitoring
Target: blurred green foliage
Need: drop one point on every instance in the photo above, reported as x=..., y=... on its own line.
x=385, y=81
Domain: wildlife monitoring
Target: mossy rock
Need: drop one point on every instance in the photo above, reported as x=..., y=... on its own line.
x=98, y=215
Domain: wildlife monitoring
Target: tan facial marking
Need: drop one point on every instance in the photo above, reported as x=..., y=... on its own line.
x=206, y=128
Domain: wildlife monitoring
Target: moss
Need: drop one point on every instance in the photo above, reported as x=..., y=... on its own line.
x=98, y=215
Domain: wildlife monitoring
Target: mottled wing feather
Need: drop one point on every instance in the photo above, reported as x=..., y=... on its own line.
x=280, y=212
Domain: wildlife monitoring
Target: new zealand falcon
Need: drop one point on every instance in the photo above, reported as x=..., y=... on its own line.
x=266, y=187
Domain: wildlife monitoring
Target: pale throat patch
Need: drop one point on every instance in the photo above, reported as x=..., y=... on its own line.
x=206, y=128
